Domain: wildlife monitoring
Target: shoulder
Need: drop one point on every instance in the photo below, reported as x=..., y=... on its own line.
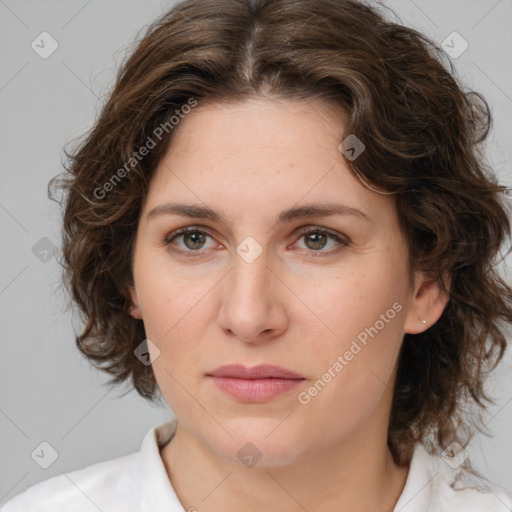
x=436, y=483
x=109, y=485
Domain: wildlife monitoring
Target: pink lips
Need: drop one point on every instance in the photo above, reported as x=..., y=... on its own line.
x=258, y=384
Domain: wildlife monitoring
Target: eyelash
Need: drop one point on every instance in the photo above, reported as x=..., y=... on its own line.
x=344, y=242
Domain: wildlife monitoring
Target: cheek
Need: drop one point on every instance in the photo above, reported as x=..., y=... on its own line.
x=361, y=314
x=174, y=313
x=354, y=298
x=174, y=318
x=166, y=297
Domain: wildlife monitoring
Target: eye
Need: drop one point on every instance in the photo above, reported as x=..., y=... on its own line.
x=192, y=237
x=194, y=240
x=316, y=238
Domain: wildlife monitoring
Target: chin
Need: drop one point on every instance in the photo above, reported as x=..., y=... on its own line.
x=257, y=441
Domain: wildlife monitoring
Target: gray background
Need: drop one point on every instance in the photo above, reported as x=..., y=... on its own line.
x=47, y=391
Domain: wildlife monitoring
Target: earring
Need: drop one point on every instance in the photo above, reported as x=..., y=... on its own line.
x=424, y=321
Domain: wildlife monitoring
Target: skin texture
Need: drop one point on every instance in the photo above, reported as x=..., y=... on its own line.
x=299, y=305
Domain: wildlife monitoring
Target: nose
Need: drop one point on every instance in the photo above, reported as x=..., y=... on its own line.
x=253, y=306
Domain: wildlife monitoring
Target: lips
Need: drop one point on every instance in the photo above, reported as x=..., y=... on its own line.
x=263, y=371
x=254, y=385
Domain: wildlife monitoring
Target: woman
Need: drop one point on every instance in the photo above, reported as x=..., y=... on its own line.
x=282, y=225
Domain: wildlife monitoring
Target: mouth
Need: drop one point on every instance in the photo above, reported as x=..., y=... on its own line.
x=254, y=385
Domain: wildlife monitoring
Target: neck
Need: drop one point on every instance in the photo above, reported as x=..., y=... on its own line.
x=358, y=472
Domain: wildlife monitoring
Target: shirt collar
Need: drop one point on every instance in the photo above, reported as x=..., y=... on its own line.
x=416, y=494
x=157, y=493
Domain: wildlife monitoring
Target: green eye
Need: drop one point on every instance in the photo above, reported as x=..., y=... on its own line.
x=194, y=239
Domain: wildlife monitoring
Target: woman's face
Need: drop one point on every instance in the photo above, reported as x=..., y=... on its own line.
x=262, y=286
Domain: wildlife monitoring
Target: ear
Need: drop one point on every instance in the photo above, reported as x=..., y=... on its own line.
x=135, y=310
x=427, y=303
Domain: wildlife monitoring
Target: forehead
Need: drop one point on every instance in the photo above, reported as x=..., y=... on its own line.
x=261, y=125
x=258, y=153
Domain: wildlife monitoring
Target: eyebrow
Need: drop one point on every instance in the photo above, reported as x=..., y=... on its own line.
x=289, y=215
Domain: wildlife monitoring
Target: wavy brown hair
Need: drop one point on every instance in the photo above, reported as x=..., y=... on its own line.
x=422, y=131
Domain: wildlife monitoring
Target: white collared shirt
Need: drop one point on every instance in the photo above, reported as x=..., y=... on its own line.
x=138, y=482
